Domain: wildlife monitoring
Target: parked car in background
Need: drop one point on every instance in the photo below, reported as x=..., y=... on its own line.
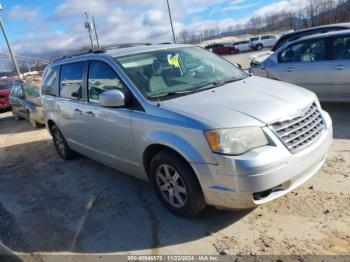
x=293, y=36
x=198, y=128
x=309, y=31
x=243, y=45
x=320, y=63
x=259, y=42
x=25, y=103
x=5, y=90
x=223, y=49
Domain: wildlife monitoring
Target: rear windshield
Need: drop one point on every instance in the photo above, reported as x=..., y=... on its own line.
x=32, y=90
x=5, y=84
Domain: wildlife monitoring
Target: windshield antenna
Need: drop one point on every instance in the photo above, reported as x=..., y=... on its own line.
x=158, y=100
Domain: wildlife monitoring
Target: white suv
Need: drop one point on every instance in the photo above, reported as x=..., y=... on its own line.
x=259, y=42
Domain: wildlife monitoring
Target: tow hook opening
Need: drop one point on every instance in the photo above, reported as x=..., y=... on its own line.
x=263, y=194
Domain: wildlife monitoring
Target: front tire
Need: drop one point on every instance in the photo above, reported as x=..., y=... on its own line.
x=14, y=113
x=233, y=52
x=60, y=144
x=176, y=185
x=259, y=47
x=33, y=123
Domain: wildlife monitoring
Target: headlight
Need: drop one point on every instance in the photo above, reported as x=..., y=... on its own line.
x=235, y=141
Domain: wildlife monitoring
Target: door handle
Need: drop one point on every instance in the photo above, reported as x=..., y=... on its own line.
x=289, y=69
x=78, y=111
x=339, y=68
x=89, y=113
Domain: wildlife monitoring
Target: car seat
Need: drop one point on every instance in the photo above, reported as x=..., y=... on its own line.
x=156, y=82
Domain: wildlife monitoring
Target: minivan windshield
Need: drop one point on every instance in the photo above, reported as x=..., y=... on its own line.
x=178, y=71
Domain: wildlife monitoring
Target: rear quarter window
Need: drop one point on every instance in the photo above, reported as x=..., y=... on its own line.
x=71, y=80
x=50, y=81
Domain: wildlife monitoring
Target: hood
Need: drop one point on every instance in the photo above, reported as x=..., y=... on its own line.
x=36, y=100
x=252, y=101
x=5, y=92
x=261, y=57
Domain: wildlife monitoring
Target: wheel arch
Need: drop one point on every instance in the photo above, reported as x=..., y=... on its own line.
x=50, y=124
x=154, y=149
x=189, y=151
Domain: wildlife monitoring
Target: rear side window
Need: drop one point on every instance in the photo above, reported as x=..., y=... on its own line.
x=50, y=82
x=101, y=78
x=341, y=48
x=19, y=92
x=265, y=37
x=31, y=90
x=71, y=85
x=14, y=88
x=308, y=51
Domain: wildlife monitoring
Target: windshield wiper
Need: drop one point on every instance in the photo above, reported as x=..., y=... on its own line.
x=209, y=86
x=173, y=93
x=217, y=84
x=230, y=80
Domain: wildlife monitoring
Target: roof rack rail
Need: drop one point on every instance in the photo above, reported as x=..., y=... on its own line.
x=124, y=45
x=90, y=51
x=101, y=50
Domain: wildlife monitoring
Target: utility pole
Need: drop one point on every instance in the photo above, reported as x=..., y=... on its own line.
x=171, y=21
x=12, y=54
x=87, y=25
x=95, y=29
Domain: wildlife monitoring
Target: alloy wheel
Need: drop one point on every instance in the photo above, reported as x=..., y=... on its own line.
x=59, y=142
x=14, y=113
x=171, y=186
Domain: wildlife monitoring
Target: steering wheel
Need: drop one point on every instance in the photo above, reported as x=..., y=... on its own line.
x=194, y=71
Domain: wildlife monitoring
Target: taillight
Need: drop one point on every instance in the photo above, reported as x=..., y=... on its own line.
x=274, y=47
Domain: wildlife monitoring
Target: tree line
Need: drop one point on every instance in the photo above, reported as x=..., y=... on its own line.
x=314, y=13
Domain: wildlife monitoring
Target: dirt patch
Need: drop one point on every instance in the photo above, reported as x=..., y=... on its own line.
x=43, y=206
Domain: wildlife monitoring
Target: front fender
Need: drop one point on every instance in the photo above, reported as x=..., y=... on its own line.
x=186, y=149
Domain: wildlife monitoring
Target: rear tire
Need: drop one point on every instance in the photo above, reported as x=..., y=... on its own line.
x=16, y=117
x=259, y=47
x=33, y=123
x=176, y=184
x=60, y=144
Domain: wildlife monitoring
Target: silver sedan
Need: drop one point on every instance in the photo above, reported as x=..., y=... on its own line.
x=320, y=63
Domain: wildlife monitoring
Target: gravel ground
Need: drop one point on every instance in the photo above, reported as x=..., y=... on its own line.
x=49, y=206
x=244, y=58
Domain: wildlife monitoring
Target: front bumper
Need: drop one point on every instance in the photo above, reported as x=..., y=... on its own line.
x=262, y=174
x=4, y=103
x=37, y=115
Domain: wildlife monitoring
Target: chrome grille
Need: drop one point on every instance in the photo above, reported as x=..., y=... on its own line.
x=301, y=131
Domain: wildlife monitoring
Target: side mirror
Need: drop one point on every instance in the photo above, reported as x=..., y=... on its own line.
x=113, y=98
x=238, y=65
x=21, y=95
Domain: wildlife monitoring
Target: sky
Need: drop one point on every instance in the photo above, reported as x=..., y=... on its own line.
x=42, y=28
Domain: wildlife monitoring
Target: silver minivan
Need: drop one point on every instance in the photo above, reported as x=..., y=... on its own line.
x=320, y=63
x=202, y=131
